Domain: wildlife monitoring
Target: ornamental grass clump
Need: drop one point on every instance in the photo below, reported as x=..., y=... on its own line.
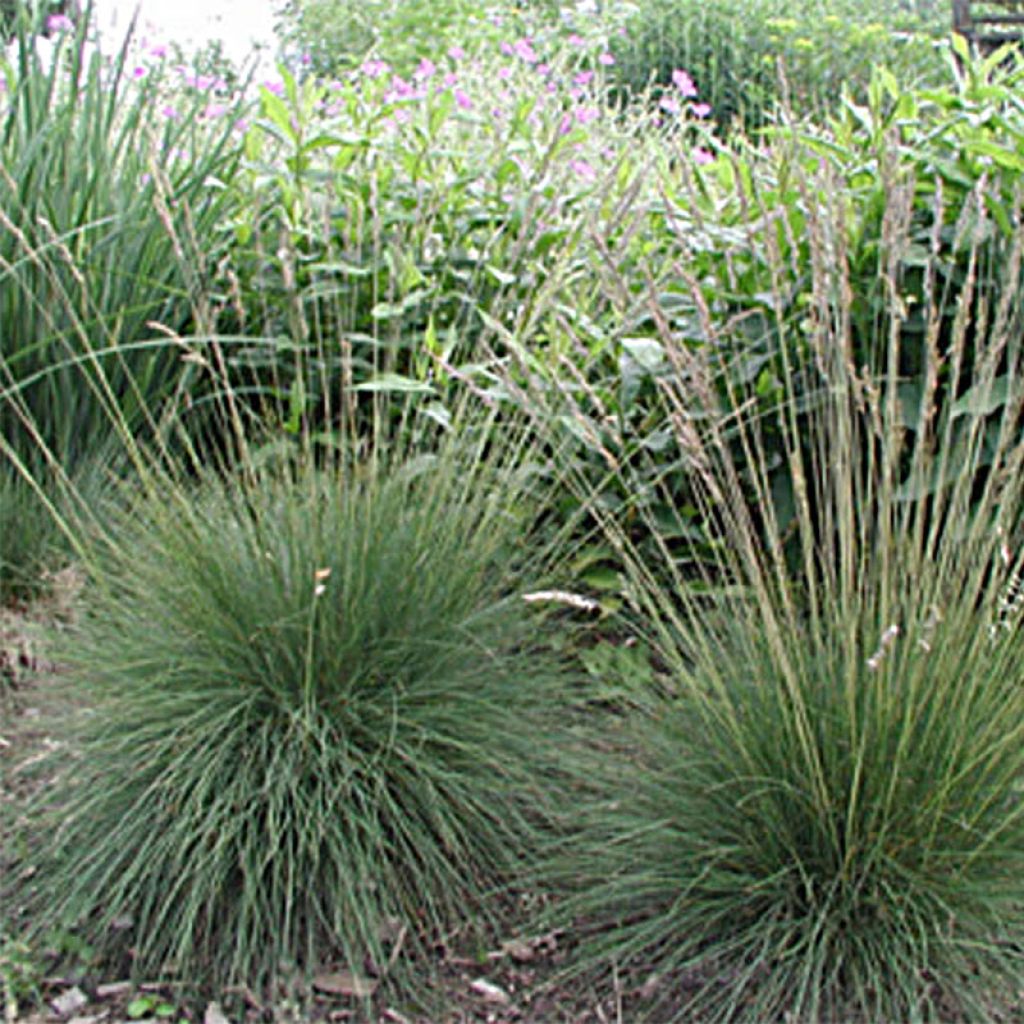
x=821, y=815
x=319, y=717
x=96, y=165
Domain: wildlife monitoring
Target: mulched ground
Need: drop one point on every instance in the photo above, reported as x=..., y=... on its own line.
x=509, y=984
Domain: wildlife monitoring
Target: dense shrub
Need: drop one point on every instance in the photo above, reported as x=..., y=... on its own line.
x=334, y=35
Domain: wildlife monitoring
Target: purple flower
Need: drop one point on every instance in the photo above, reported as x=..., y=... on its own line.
x=425, y=70
x=171, y=113
x=575, y=40
x=583, y=78
x=206, y=82
x=307, y=59
x=543, y=69
x=400, y=87
x=700, y=109
x=584, y=115
x=138, y=72
x=463, y=100
x=606, y=59
x=507, y=48
x=582, y=170
x=59, y=23
x=450, y=79
x=504, y=73
x=215, y=110
x=374, y=68
x=701, y=155
x=670, y=104
x=524, y=51
x=565, y=126
x=456, y=52
x=277, y=88
x=159, y=51
x=684, y=83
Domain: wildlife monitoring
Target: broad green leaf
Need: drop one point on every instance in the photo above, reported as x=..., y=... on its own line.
x=386, y=310
x=274, y=108
x=396, y=382
x=985, y=398
x=646, y=352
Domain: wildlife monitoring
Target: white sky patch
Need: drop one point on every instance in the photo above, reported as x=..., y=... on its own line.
x=241, y=25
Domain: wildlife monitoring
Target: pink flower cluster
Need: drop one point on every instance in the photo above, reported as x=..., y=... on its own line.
x=687, y=90
x=59, y=23
x=428, y=79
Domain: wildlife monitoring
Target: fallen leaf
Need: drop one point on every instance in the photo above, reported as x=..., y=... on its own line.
x=518, y=950
x=69, y=1001
x=345, y=983
x=391, y=929
x=490, y=993
x=215, y=1015
x=112, y=989
x=247, y=994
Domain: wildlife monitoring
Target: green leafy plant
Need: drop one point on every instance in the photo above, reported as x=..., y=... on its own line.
x=21, y=975
x=418, y=221
x=335, y=35
x=747, y=56
x=147, y=1005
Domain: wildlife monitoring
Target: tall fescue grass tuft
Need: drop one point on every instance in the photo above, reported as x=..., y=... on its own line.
x=320, y=719
x=822, y=816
